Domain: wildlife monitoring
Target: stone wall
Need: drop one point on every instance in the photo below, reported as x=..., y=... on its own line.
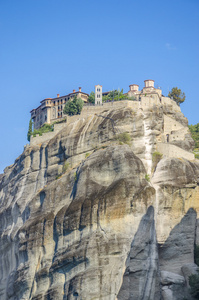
x=178, y=134
x=47, y=135
x=171, y=124
x=174, y=151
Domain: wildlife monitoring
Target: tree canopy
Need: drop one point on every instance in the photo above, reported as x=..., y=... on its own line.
x=114, y=95
x=73, y=107
x=177, y=95
x=91, y=98
x=195, y=133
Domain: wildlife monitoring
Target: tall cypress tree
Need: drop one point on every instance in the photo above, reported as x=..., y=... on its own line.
x=29, y=130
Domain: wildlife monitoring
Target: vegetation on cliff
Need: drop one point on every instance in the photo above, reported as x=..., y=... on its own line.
x=194, y=129
x=156, y=157
x=73, y=107
x=194, y=279
x=40, y=131
x=177, y=95
x=195, y=133
x=124, y=138
x=43, y=129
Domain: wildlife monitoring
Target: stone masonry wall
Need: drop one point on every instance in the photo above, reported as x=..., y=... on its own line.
x=174, y=151
x=171, y=125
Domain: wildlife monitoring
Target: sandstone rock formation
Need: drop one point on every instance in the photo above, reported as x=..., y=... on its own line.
x=80, y=219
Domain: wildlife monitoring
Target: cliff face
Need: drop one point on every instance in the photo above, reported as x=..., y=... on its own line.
x=79, y=218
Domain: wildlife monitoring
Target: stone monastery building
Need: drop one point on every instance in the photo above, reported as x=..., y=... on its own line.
x=51, y=109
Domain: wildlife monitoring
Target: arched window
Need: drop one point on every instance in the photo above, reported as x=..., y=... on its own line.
x=54, y=112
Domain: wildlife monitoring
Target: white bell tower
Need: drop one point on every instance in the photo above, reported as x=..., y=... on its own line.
x=98, y=94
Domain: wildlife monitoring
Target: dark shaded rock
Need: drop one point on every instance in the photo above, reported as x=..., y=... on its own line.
x=188, y=270
x=179, y=247
x=141, y=278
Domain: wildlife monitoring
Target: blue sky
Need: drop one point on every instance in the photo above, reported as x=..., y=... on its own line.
x=55, y=46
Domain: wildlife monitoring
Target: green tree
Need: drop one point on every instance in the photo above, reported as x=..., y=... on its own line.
x=73, y=107
x=114, y=95
x=91, y=98
x=195, y=133
x=29, y=130
x=177, y=95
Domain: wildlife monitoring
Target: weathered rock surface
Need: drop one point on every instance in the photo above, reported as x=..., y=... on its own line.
x=173, y=286
x=71, y=207
x=170, y=278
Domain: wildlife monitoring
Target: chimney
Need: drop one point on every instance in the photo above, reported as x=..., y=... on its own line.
x=57, y=95
x=73, y=91
x=80, y=89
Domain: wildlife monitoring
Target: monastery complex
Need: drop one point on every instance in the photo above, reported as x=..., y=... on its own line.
x=147, y=99
x=51, y=109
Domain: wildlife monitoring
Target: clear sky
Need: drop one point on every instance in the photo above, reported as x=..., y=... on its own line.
x=55, y=46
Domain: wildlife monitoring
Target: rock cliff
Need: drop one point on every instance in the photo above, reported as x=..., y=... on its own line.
x=86, y=215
